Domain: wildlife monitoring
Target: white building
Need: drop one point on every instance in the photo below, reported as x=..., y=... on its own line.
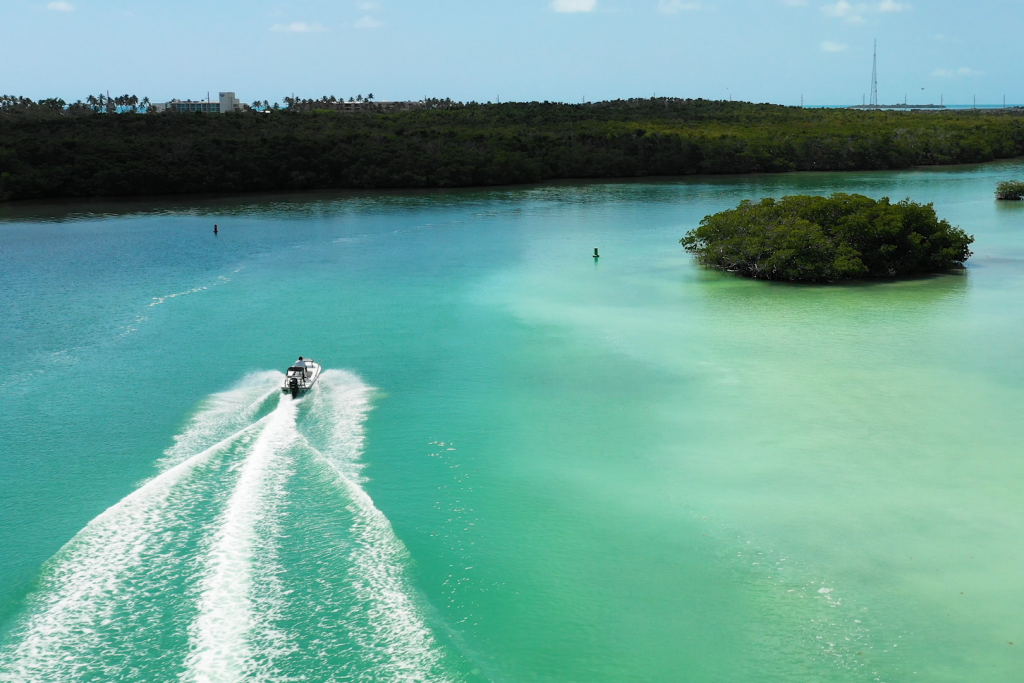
x=228, y=102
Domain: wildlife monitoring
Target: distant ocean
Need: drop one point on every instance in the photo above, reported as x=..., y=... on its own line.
x=919, y=104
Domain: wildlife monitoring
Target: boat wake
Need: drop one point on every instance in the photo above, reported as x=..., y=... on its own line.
x=254, y=554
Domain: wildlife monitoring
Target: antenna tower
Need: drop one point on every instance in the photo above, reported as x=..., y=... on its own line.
x=874, y=77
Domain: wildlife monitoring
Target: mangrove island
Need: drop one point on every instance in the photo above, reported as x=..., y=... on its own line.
x=1010, y=189
x=805, y=238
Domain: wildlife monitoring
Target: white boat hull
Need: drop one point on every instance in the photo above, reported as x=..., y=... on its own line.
x=298, y=380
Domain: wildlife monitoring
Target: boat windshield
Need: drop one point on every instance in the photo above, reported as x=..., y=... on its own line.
x=297, y=371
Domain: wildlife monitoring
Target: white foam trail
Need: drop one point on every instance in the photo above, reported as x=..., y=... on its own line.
x=157, y=300
x=234, y=635
x=224, y=411
x=81, y=586
x=233, y=614
x=391, y=631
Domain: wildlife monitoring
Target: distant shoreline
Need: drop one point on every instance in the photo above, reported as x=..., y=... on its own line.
x=478, y=146
x=159, y=203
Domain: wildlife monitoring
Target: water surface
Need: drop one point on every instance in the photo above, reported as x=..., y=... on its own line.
x=523, y=464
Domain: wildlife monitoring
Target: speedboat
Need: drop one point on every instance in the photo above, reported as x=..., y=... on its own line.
x=301, y=377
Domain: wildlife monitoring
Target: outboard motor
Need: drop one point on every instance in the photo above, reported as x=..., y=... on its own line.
x=293, y=386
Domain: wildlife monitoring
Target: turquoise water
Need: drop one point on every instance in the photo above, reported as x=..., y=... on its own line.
x=521, y=464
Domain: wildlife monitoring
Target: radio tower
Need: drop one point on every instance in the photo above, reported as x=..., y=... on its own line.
x=874, y=76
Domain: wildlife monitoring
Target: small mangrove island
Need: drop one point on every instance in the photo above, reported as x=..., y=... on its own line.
x=1012, y=190
x=805, y=238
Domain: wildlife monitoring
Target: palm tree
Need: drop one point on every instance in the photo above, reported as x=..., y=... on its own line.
x=53, y=104
x=79, y=107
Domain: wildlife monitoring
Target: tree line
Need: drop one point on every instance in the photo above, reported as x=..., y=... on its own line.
x=133, y=104
x=49, y=150
x=93, y=104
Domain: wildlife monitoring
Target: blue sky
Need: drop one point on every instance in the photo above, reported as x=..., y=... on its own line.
x=758, y=50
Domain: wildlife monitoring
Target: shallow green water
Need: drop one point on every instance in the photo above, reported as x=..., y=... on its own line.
x=523, y=465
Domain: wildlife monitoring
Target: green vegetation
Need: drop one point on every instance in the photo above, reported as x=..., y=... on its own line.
x=94, y=104
x=105, y=148
x=1010, y=189
x=825, y=239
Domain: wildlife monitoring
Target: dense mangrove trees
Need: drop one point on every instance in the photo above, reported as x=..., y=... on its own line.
x=103, y=148
x=1010, y=189
x=825, y=239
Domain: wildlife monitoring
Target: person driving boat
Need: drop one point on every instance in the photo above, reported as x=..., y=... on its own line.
x=301, y=376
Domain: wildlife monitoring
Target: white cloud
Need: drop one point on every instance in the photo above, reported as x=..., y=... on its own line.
x=845, y=11
x=830, y=46
x=570, y=6
x=854, y=14
x=954, y=73
x=297, y=27
x=840, y=9
x=61, y=6
x=892, y=6
x=368, y=22
x=676, y=6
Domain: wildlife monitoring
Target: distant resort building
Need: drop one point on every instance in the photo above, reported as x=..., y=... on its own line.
x=227, y=102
